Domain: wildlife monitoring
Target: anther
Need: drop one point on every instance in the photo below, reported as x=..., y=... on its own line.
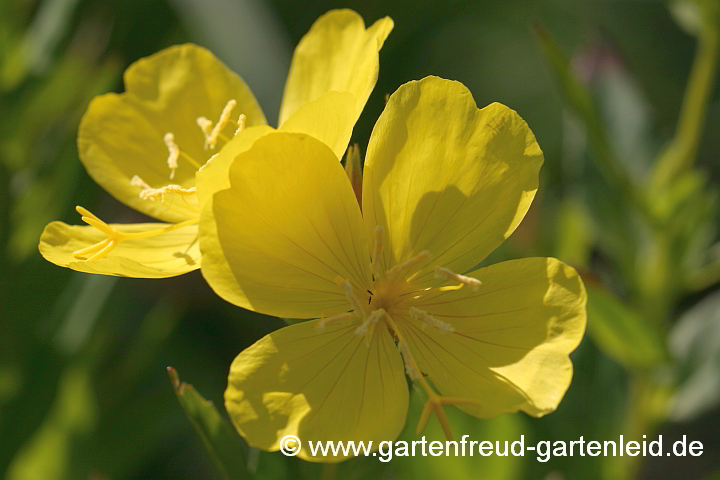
x=206, y=126
x=407, y=265
x=370, y=321
x=441, y=272
x=323, y=322
x=240, y=123
x=410, y=367
x=211, y=139
x=173, y=153
x=152, y=194
x=356, y=303
x=422, y=315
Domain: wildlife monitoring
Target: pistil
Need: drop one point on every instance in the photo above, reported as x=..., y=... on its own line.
x=115, y=237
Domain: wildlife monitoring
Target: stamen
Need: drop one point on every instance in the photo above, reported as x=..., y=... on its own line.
x=173, y=153
x=410, y=366
x=206, y=126
x=323, y=322
x=441, y=272
x=152, y=194
x=211, y=140
x=240, y=124
x=422, y=315
x=403, y=267
x=434, y=402
x=370, y=321
x=378, y=251
x=356, y=303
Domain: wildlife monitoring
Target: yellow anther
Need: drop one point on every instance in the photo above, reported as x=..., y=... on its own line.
x=400, y=269
x=240, y=123
x=323, y=322
x=410, y=367
x=211, y=139
x=423, y=316
x=152, y=194
x=173, y=153
x=379, y=247
x=357, y=304
x=441, y=272
x=368, y=325
x=206, y=126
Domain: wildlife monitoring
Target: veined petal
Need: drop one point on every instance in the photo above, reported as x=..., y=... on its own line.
x=337, y=54
x=329, y=118
x=324, y=385
x=510, y=342
x=289, y=229
x=166, y=255
x=443, y=176
x=214, y=176
x=121, y=135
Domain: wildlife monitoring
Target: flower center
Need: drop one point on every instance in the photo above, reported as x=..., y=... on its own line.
x=163, y=193
x=390, y=304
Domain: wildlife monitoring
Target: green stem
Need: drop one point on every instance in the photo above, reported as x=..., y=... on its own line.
x=680, y=154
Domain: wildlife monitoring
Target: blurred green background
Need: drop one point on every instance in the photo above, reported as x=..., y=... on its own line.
x=621, y=96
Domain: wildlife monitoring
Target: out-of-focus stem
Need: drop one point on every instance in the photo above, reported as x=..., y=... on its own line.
x=682, y=151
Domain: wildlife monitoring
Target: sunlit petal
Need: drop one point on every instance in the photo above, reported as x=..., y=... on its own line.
x=319, y=385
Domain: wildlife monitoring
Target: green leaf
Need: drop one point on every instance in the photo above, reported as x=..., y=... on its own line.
x=219, y=437
x=622, y=333
x=695, y=342
x=580, y=99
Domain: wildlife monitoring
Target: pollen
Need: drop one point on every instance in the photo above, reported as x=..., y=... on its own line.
x=422, y=315
x=152, y=194
x=441, y=272
x=413, y=262
x=410, y=367
x=367, y=325
x=211, y=140
x=356, y=303
x=325, y=321
x=240, y=123
x=206, y=126
x=173, y=153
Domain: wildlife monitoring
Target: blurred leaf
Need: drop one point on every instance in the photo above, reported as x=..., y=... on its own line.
x=623, y=108
x=622, y=333
x=47, y=454
x=574, y=237
x=219, y=437
x=695, y=342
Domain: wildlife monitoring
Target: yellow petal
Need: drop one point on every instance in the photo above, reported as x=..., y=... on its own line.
x=166, y=255
x=443, y=176
x=289, y=229
x=337, y=54
x=324, y=385
x=511, y=339
x=329, y=118
x=122, y=135
x=214, y=176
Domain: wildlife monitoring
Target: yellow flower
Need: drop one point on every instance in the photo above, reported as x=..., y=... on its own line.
x=445, y=183
x=146, y=145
